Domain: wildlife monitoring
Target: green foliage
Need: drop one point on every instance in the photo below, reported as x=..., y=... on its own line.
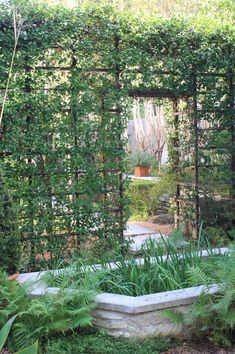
x=9, y=233
x=145, y=195
x=38, y=318
x=5, y=331
x=217, y=236
x=33, y=349
x=141, y=158
x=63, y=155
x=64, y=163
x=165, y=187
x=214, y=315
x=163, y=269
x=98, y=343
x=141, y=202
x=213, y=11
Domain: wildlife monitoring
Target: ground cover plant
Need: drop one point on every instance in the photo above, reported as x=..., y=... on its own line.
x=91, y=342
x=142, y=205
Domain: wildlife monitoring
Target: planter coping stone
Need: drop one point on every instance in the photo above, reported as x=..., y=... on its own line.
x=139, y=304
x=36, y=276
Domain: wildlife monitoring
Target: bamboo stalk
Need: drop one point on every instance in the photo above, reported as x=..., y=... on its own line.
x=17, y=31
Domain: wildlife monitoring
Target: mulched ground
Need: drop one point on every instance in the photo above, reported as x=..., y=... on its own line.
x=162, y=219
x=193, y=347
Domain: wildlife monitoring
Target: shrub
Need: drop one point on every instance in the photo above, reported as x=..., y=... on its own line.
x=9, y=234
x=141, y=202
x=212, y=315
x=145, y=195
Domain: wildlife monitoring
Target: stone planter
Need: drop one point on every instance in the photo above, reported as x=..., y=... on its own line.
x=131, y=317
x=143, y=316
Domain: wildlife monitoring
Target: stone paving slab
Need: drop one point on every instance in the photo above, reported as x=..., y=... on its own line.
x=136, y=229
x=137, y=242
x=138, y=235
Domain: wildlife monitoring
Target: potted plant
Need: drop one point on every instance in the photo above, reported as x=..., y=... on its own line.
x=141, y=161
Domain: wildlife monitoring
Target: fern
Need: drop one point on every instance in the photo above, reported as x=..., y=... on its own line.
x=197, y=276
x=38, y=318
x=216, y=313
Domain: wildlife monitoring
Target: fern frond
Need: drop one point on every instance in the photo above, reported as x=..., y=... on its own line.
x=197, y=276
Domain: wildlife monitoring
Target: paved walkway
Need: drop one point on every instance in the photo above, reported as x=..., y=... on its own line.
x=139, y=234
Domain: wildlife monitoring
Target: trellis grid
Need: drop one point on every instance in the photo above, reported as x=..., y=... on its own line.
x=61, y=144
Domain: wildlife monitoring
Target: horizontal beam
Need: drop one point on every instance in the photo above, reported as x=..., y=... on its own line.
x=156, y=92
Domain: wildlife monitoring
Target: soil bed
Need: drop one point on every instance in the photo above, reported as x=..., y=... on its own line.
x=199, y=347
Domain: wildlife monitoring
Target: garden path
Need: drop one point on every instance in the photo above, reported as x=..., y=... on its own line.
x=139, y=232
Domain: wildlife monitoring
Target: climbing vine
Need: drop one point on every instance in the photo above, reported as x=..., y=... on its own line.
x=62, y=152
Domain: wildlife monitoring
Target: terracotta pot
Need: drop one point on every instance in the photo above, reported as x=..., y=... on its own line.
x=141, y=171
x=13, y=276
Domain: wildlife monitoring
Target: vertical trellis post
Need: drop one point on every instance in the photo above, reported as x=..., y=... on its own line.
x=104, y=171
x=196, y=157
x=231, y=92
x=176, y=162
x=74, y=124
x=29, y=119
x=118, y=108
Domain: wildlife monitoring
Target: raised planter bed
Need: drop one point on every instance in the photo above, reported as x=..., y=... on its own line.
x=141, y=316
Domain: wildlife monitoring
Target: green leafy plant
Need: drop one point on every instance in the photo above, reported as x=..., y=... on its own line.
x=39, y=317
x=100, y=343
x=212, y=315
x=217, y=236
x=9, y=237
x=215, y=314
x=141, y=158
x=9, y=232
x=164, y=267
x=61, y=142
x=166, y=186
x=5, y=331
x=145, y=196
x=142, y=205
x=33, y=349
